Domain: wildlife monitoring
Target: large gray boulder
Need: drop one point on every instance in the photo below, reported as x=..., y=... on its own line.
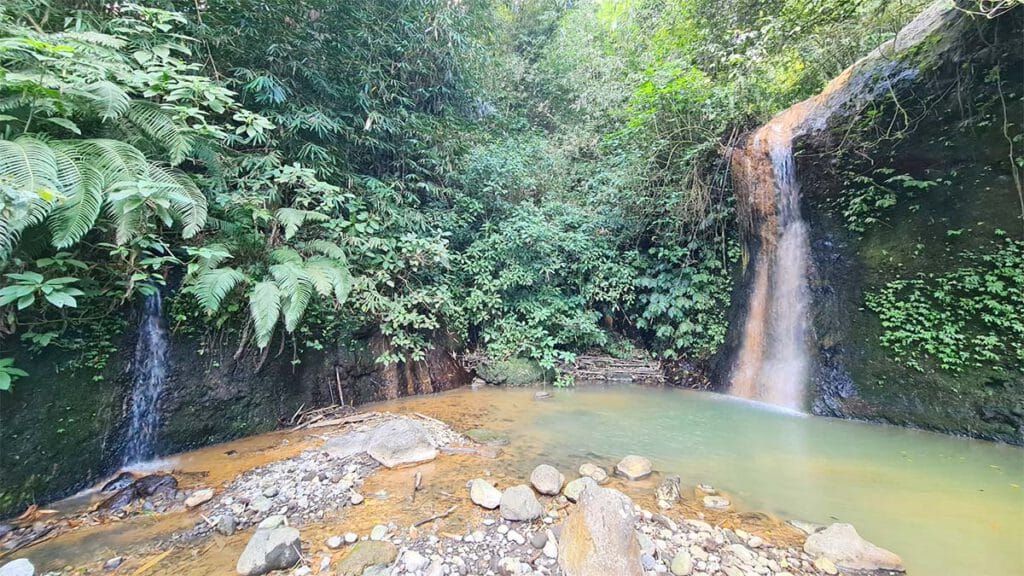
x=19, y=567
x=269, y=550
x=598, y=536
x=346, y=445
x=518, y=504
x=399, y=443
x=841, y=544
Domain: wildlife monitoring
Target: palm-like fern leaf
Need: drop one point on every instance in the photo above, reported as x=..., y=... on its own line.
x=293, y=218
x=265, y=308
x=109, y=99
x=188, y=201
x=212, y=286
x=160, y=127
x=297, y=287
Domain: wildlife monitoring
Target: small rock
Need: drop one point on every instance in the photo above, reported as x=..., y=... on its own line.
x=484, y=494
x=551, y=549
x=503, y=529
x=414, y=561
x=379, y=532
x=271, y=522
x=270, y=492
x=573, y=489
x=335, y=542
x=356, y=499
x=633, y=467
x=825, y=565
x=547, y=480
x=648, y=561
x=268, y=550
x=261, y=504
x=668, y=490
x=199, y=497
x=226, y=524
x=716, y=502
x=351, y=537
x=593, y=471
x=682, y=564
x=508, y=567
x=707, y=489
x=19, y=567
x=755, y=542
x=113, y=563
x=516, y=537
x=303, y=571
x=542, y=395
x=519, y=504
x=365, y=556
x=538, y=540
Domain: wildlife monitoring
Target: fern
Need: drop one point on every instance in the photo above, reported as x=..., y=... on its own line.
x=109, y=99
x=329, y=249
x=292, y=219
x=265, y=309
x=155, y=123
x=213, y=286
x=297, y=287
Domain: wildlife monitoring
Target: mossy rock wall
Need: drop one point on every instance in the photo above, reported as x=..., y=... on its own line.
x=956, y=140
x=62, y=431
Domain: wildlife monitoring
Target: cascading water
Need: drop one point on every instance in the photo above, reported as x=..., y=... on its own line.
x=773, y=358
x=149, y=371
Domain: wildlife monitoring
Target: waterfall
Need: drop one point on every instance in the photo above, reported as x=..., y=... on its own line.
x=149, y=372
x=773, y=362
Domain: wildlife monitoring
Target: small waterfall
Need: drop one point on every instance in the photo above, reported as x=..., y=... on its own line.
x=149, y=373
x=773, y=360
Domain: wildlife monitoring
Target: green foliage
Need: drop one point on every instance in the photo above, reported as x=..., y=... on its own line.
x=967, y=317
x=27, y=286
x=867, y=197
x=9, y=373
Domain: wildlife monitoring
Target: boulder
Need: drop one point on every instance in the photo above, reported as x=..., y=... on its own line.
x=269, y=550
x=594, y=471
x=547, y=480
x=346, y=445
x=573, y=489
x=841, y=544
x=367, y=555
x=483, y=493
x=399, y=443
x=199, y=497
x=598, y=536
x=633, y=467
x=518, y=504
x=19, y=567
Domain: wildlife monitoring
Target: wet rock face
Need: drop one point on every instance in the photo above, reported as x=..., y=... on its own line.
x=598, y=536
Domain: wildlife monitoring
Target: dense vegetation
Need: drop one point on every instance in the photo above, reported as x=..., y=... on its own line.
x=530, y=178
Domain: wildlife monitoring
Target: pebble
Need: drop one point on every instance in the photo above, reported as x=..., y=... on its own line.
x=538, y=540
x=826, y=566
x=335, y=542
x=113, y=563
x=351, y=537
x=379, y=532
x=516, y=537
x=357, y=499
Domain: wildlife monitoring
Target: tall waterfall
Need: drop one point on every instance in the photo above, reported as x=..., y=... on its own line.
x=149, y=372
x=773, y=362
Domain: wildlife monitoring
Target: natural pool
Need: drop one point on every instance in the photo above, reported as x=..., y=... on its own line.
x=949, y=506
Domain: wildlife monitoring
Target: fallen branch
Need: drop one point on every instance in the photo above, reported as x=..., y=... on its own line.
x=445, y=514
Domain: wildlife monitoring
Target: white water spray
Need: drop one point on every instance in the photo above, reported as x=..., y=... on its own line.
x=150, y=371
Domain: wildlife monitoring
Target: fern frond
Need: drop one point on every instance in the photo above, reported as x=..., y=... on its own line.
x=293, y=218
x=213, y=286
x=297, y=287
x=265, y=309
x=29, y=164
x=330, y=277
x=329, y=249
x=109, y=99
x=285, y=255
x=75, y=215
x=188, y=201
x=159, y=126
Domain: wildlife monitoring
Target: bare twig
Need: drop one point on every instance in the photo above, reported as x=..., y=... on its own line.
x=444, y=514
